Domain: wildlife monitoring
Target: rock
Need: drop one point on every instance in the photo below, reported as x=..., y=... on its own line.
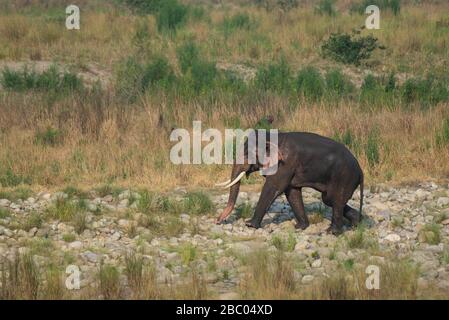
x=316, y=263
x=4, y=203
x=442, y=201
x=116, y=236
x=124, y=223
x=108, y=198
x=307, y=279
x=229, y=296
x=32, y=232
x=76, y=245
x=393, y=237
x=90, y=256
x=445, y=222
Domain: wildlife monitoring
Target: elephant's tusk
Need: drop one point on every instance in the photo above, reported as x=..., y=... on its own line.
x=222, y=183
x=240, y=176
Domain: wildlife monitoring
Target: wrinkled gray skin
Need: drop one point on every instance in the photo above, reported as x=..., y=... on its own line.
x=305, y=160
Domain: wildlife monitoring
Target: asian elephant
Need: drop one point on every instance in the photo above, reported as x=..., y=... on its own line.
x=304, y=160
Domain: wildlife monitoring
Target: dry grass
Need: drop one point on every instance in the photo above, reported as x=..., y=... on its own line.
x=272, y=277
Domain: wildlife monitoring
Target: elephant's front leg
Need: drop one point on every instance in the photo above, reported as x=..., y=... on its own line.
x=294, y=197
x=268, y=195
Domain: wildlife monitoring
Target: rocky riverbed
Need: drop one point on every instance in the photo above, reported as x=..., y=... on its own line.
x=407, y=223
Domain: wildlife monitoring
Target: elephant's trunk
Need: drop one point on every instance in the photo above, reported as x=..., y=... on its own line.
x=233, y=193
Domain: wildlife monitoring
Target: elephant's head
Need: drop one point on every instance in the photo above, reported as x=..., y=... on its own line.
x=251, y=161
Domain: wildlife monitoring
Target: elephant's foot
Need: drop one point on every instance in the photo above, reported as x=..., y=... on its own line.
x=252, y=224
x=302, y=225
x=334, y=230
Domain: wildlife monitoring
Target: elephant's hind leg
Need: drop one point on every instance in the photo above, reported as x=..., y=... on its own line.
x=294, y=197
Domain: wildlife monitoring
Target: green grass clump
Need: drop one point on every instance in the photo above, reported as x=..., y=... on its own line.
x=326, y=7
x=18, y=193
x=310, y=83
x=171, y=15
x=188, y=253
x=372, y=148
x=239, y=21
x=430, y=233
x=9, y=178
x=360, y=6
x=245, y=211
x=198, y=203
x=442, y=138
x=4, y=213
x=109, y=282
x=337, y=84
x=34, y=220
x=68, y=237
x=49, y=137
x=275, y=77
x=51, y=79
x=62, y=209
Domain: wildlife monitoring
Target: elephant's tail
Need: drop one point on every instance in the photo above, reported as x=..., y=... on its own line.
x=361, y=192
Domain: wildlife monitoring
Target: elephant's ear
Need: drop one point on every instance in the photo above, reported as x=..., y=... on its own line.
x=273, y=156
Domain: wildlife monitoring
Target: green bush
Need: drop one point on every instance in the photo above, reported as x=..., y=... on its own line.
x=428, y=91
x=187, y=55
x=310, y=83
x=48, y=137
x=49, y=80
x=360, y=7
x=9, y=178
x=372, y=148
x=144, y=6
x=276, y=77
x=442, y=139
x=157, y=73
x=239, y=21
x=203, y=74
x=198, y=203
x=349, y=48
x=337, y=84
x=171, y=15
x=326, y=7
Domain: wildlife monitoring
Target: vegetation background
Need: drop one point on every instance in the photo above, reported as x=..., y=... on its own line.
x=96, y=105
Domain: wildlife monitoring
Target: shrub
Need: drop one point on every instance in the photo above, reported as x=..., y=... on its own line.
x=48, y=137
x=428, y=91
x=202, y=75
x=144, y=6
x=244, y=211
x=171, y=15
x=198, y=203
x=158, y=72
x=276, y=77
x=187, y=55
x=10, y=179
x=240, y=21
x=326, y=7
x=372, y=148
x=309, y=83
x=34, y=220
x=349, y=48
x=337, y=84
x=129, y=78
x=109, y=278
x=348, y=139
x=430, y=233
x=393, y=5
x=443, y=137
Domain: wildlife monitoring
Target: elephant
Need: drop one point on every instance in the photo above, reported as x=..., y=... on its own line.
x=304, y=160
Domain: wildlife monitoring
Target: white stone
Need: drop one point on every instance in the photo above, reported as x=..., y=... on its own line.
x=393, y=237
x=307, y=279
